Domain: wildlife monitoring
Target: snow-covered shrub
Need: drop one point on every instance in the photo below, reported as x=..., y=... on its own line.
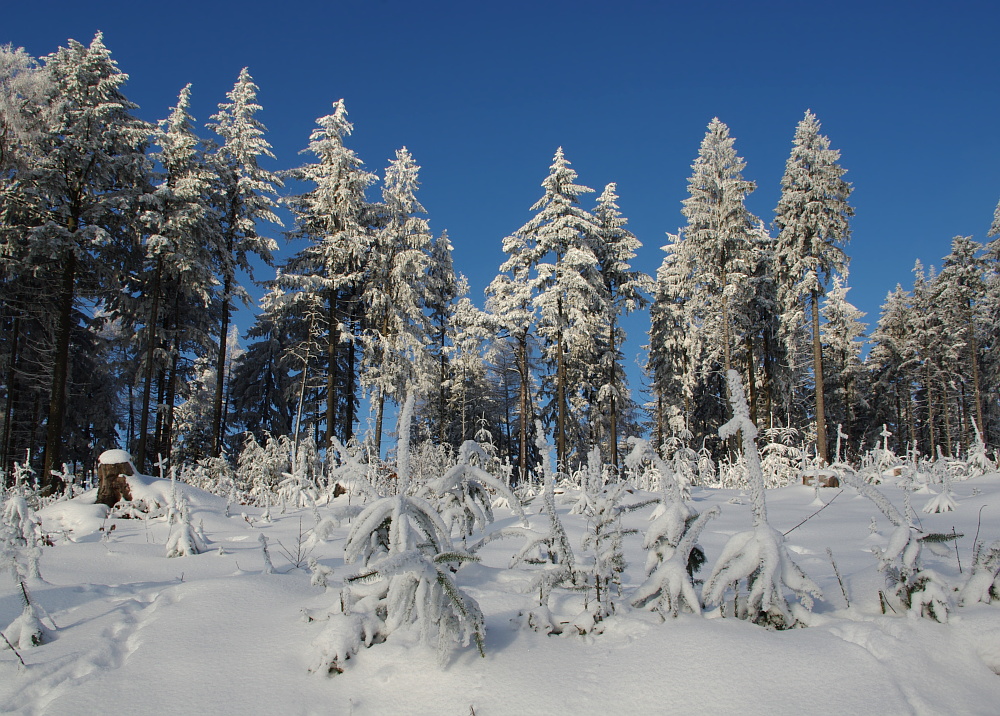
x=183, y=539
x=920, y=591
x=781, y=456
x=406, y=564
x=983, y=584
x=21, y=538
x=758, y=558
x=462, y=495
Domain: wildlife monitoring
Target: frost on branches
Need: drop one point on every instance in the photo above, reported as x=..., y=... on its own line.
x=405, y=580
x=672, y=540
x=757, y=558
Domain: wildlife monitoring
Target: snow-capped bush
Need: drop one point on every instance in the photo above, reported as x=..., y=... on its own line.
x=758, y=558
x=913, y=588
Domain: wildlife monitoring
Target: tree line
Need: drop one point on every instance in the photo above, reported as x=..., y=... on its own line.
x=124, y=247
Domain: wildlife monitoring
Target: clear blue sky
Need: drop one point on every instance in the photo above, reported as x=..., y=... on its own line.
x=483, y=94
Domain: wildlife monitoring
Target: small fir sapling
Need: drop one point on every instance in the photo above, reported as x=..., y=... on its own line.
x=183, y=539
x=268, y=565
x=945, y=501
x=604, y=538
x=758, y=557
x=406, y=576
x=673, y=553
x=920, y=591
x=983, y=584
x=979, y=462
x=462, y=494
x=20, y=550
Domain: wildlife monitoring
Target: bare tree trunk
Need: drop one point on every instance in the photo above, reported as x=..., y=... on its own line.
x=821, y=446
x=332, y=370
x=613, y=407
x=220, y=372
x=147, y=383
x=522, y=448
x=60, y=372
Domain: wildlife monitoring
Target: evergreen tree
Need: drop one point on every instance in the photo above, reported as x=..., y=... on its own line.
x=812, y=219
x=843, y=336
x=567, y=291
x=396, y=359
x=176, y=283
x=324, y=280
x=243, y=196
x=88, y=174
x=624, y=291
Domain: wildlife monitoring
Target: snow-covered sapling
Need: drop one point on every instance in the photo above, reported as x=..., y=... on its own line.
x=407, y=562
x=758, y=557
x=183, y=539
x=984, y=582
x=461, y=494
x=673, y=553
x=914, y=588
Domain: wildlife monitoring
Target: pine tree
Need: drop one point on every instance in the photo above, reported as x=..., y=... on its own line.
x=325, y=279
x=843, y=336
x=889, y=364
x=176, y=284
x=395, y=359
x=244, y=196
x=89, y=172
x=624, y=291
x=962, y=291
x=567, y=289
x=812, y=219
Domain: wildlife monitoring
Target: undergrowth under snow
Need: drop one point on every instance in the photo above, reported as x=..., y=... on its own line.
x=131, y=631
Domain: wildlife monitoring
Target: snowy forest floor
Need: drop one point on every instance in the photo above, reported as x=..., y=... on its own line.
x=136, y=632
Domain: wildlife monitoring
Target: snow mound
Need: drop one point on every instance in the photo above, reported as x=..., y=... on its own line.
x=114, y=457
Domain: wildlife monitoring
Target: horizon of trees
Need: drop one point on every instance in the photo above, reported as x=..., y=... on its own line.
x=123, y=246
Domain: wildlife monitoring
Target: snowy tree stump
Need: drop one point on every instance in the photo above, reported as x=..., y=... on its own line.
x=113, y=469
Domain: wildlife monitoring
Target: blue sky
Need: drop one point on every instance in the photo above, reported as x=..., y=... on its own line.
x=483, y=94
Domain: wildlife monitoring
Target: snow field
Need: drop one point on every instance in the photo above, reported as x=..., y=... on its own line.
x=210, y=633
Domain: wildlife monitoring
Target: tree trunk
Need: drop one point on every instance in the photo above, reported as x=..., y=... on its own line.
x=332, y=373
x=220, y=372
x=112, y=485
x=522, y=448
x=613, y=408
x=6, y=463
x=147, y=386
x=60, y=372
x=821, y=446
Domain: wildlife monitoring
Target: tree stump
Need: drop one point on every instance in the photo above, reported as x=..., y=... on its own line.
x=113, y=469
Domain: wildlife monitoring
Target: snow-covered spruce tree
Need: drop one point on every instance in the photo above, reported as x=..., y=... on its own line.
x=960, y=297
x=567, y=292
x=674, y=344
x=405, y=577
x=672, y=542
x=625, y=290
x=912, y=587
x=990, y=344
x=758, y=558
x=89, y=172
x=812, y=219
x=843, y=336
x=325, y=278
x=890, y=364
x=928, y=341
x=243, y=195
x=718, y=243
x=395, y=356
x=511, y=311
x=263, y=384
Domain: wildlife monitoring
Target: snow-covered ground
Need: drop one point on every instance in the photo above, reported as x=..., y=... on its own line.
x=132, y=631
